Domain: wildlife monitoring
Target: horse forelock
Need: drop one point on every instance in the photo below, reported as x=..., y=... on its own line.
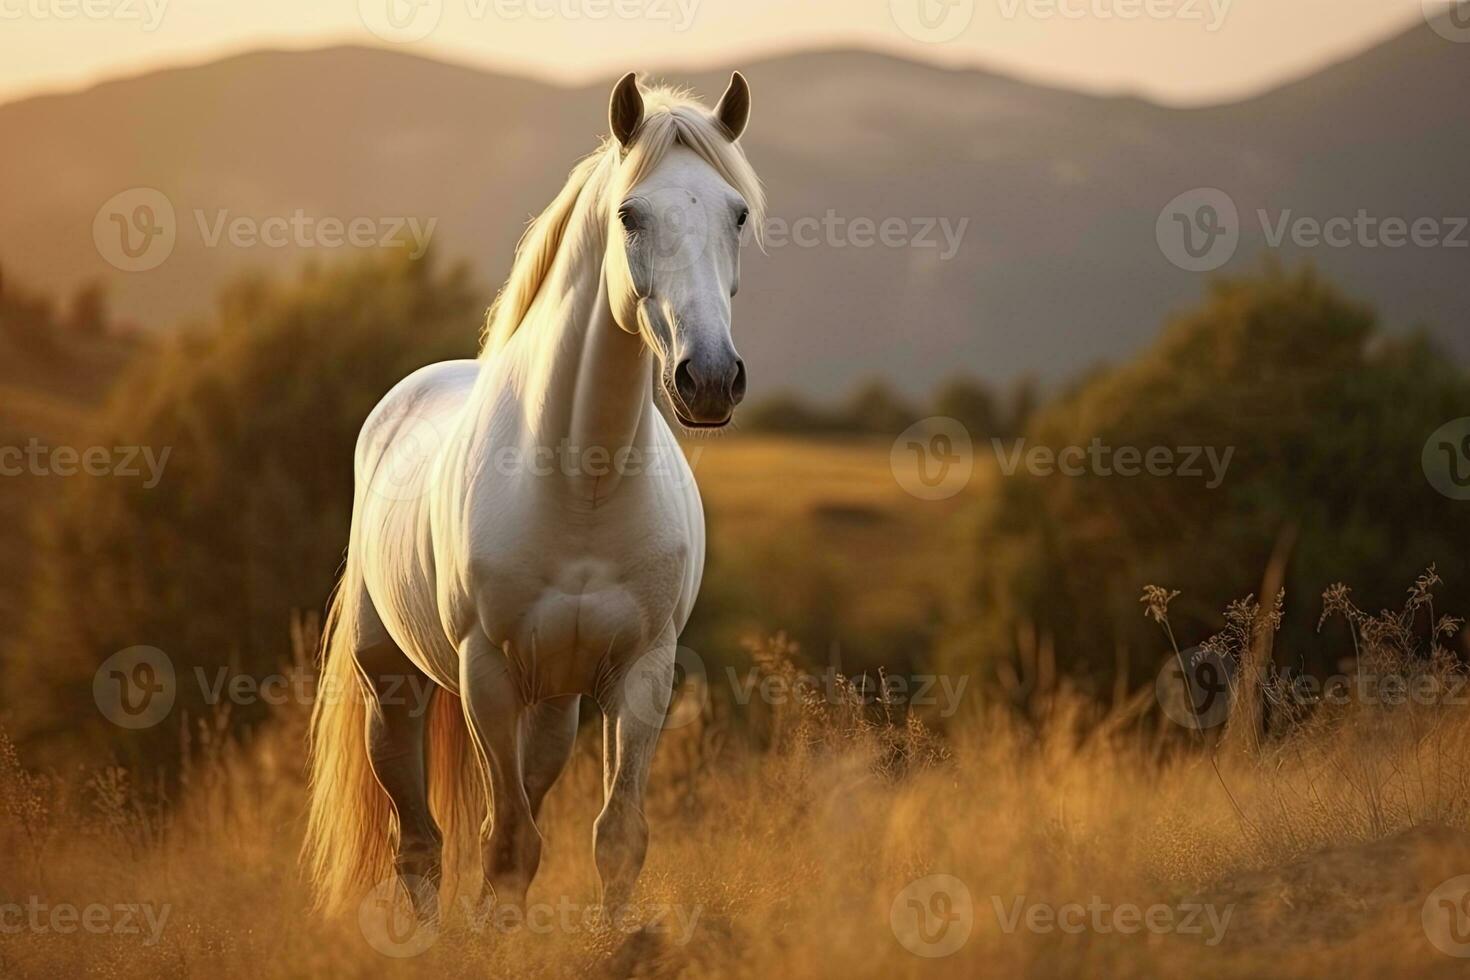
x=672, y=117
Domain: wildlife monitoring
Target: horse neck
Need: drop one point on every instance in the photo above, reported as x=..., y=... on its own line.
x=588, y=383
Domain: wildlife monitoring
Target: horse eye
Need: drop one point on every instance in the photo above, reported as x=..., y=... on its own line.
x=740, y=222
x=625, y=215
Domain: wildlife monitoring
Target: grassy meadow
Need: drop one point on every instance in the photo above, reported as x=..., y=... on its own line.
x=804, y=840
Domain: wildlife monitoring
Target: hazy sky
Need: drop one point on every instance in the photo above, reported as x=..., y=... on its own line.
x=1177, y=51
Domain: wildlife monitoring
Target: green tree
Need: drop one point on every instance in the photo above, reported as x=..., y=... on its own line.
x=1325, y=417
x=972, y=404
x=876, y=409
x=88, y=314
x=258, y=411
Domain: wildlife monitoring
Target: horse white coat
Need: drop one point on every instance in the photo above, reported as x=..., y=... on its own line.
x=525, y=528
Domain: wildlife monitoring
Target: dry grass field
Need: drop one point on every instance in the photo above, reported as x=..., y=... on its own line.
x=825, y=534
x=1073, y=839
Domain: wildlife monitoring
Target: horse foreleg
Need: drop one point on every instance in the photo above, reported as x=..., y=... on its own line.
x=495, y=713
x=551, y=734
x=633, y=718
x=397, y=713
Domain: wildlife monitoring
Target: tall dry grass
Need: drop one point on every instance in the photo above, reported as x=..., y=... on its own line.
x=782, y=841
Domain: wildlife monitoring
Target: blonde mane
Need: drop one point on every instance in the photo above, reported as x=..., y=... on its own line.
x=672, y=116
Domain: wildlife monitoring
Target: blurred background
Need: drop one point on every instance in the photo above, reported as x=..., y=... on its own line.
x=1235, y=232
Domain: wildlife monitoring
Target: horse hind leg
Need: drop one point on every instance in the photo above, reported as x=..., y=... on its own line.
x=496, y=713
x=397, y=746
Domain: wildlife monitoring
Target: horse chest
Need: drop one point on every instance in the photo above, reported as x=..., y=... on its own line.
x=572, y=590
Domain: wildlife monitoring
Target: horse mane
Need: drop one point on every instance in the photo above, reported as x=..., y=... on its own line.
x=671, y=117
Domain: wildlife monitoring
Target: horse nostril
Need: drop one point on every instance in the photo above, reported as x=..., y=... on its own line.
x=684, y=382
x=737, y=387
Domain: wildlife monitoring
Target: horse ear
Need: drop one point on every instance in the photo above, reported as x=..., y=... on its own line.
x=733, y=112
x=625, y=111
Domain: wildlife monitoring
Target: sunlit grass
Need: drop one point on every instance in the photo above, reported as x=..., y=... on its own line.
x=780, y=846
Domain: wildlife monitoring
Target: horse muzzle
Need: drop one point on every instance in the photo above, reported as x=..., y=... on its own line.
x=706, y=389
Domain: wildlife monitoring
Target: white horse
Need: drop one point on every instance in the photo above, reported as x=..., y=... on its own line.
x=525, y=528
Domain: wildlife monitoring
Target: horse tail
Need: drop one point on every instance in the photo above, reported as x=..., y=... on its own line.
x=458, y=796
x=351, y=825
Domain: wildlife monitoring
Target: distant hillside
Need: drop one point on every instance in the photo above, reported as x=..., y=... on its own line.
x=1059, y=266
x=46, y=401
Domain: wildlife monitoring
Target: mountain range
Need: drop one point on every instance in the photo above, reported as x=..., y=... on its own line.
x=1054, y=201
